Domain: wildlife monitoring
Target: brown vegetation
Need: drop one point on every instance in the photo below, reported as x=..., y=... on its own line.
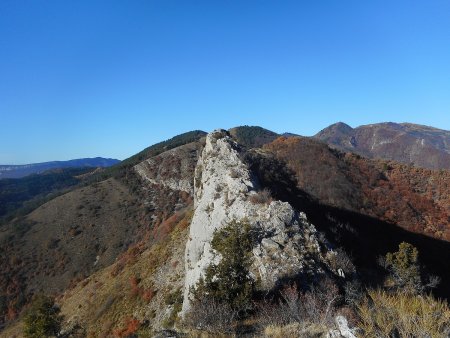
x=211, y=316
x=413, y=198
x=385, y=314
x=261, y=197
x=131, y=325
x=316, y=306
x=145, y=285
x=91, y=227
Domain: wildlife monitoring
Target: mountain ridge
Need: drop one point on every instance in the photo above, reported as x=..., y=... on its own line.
x=22, y=170
x=408, y=143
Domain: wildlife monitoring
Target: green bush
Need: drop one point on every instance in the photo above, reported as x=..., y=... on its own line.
x=229, y=281
x=42, y=319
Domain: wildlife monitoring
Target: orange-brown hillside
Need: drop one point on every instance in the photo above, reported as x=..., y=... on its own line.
x=414, y=198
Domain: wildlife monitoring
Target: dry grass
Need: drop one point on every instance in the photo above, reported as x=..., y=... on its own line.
x=204, y=334
x=13, y=331
x=138, y=291
x=295, y=330
x=291, y=330
x=399, y=314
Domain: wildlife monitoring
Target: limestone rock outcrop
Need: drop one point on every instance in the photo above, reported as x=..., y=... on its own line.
x=172, y=169
x=226, y=190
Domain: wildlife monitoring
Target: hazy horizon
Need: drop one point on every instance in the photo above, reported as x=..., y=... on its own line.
x=157, y=141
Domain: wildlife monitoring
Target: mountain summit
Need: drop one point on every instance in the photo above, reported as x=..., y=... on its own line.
x=409, y=143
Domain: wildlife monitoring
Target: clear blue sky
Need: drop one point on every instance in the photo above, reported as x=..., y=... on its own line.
x=108, y=78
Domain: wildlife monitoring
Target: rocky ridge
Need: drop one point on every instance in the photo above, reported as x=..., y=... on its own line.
x=172, y=169
x=226, y=190
x=409, y=143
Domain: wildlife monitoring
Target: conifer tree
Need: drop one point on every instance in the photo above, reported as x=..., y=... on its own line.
x=229, y=281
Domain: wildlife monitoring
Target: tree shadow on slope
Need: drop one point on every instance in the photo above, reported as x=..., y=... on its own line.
x=363, y=237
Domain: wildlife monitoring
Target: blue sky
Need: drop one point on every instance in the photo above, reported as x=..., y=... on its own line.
x=108, y=78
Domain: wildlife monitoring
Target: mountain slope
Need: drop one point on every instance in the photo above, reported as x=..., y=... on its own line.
x=135, y=288
x=18, y=171
x=415, y=199
x=75, y=234
x=367, y=207
x=18, y=196
x=419, y=145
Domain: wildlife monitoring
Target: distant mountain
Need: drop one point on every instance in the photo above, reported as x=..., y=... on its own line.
x=287, y=134
x=252, y=136
x=18, y=171
x=409, y=143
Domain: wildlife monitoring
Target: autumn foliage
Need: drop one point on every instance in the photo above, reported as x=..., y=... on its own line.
x=130, y=327
x=414, y=198
x=136, y=290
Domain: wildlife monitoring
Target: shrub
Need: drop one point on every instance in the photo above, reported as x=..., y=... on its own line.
x=405, y=270
x=261, y=197
x=42, y=319
x=398, y=314
x=229, y=281
x=134, y=286
x=353, y=292
x=316, y=306
x=218, y=134
x=148, y=294
x=131, y=326
x=341, y=261
x=174, y=299
x=208, y=314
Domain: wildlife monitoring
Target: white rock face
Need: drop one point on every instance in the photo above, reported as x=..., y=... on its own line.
x=172, y=169
x=223, y=187
x=171, y=183
x=342, y=331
